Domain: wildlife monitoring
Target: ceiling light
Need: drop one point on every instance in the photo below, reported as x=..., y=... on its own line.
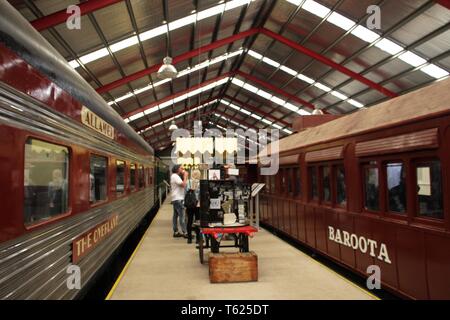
x=271, y=62
x=173, y=126
x=291, y=107
x=317, y=112
x=124, y=44
x=167, y=70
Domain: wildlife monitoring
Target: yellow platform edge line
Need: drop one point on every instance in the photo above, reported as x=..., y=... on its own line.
x=119, y=278
x=339, y=276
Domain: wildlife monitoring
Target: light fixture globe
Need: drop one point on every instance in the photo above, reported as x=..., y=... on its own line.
x=317, y=112
x=173, y=126
x=167, y=70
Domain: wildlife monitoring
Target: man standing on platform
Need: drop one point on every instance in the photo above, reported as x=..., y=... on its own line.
x=178, y=182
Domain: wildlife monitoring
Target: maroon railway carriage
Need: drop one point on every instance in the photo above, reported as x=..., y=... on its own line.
x=371, y=188
x=75, y=179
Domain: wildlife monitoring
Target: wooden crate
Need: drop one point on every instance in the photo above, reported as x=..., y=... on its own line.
x=233, y=267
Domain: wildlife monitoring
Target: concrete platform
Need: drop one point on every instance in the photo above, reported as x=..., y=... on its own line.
x=168, y=268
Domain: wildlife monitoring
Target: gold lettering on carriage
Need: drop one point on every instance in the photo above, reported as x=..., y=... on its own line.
x=89, y=240
x=93, y=121
x=360, y=243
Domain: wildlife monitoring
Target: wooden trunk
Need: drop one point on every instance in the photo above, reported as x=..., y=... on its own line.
x=233, y=267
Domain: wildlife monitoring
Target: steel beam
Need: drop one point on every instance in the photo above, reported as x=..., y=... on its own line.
x=61, y=16
x=329, y=62
x=175, y=114
x=275, y=89
x=175, y=95
x=246, y=106
x=177, y=59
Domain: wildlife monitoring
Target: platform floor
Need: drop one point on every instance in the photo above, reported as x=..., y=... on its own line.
x=168, y=268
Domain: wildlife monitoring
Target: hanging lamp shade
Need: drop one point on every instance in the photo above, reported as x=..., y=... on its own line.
x=173, y=126
x=167, y=70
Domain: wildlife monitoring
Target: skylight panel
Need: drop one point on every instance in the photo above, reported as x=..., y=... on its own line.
x=235, y=3
x=288, y=131
x=235, y=107
x=256, y=116
x=340, y=21
x=126, y=96
x=249, y=87
x=271, y=62
x=388, y=46
x=136, y=116
x=303, y=112
x=152, y=33
x=182, y=22
x=126, y=120
x=412, y=59
x=245, y=111
x=305, y=78
x=180, y=98
x=264, y=94
x=339, y=95
x=277, y=126
x=322, y=87
x=266, y=121
x=434, y=71
x=291, y=107
x=166, y=104
x=255, y=54
x=277, y=100
x=365, y=34
x=288, y=70
x=355, y=103
x=210, y=12
x=151, y=110
x=295, y=2
x=315, y=8
x=124, y=44
x=94, y=55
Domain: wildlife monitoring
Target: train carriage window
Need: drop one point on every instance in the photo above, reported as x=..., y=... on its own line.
x=429, y=189
x=98, y=178
x=371, y=189
x=120, y=177
x=141, y=177
x=272, y=184
x=46, y=187
x=341, y=194
x=132, y=177
x=297, y=182
x=396, y=185
x=283, y=181
x=290, y=189
x=313, y=185
x=326, y=184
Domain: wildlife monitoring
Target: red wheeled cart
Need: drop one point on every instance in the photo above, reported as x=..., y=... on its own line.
x=210, y=237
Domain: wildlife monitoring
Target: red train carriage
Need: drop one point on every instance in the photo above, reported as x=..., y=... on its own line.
x=372, y=188
x=75, y=180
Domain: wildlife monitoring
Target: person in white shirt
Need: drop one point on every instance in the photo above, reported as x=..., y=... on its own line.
x=178, y=186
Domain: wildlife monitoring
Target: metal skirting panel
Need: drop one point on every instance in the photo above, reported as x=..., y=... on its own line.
x=35, y=266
